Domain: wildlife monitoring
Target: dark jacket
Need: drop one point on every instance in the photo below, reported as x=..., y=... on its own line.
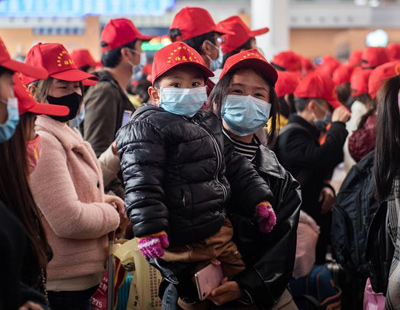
x=179, y=173
x=299, y=151
x=16, y=288
x=105, y=104
x=270, y=257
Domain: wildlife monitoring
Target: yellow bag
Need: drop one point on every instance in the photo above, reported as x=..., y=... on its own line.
x=143, y=293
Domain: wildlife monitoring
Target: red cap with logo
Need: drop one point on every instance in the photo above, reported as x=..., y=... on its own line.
x=26, y=103
x=394, y=51
x=359, y=81
x=242, y=33
x=287, y=83
x=380, y=74
x=177, y=54
x=251, y=59
x=342, y=74
x=83, y=58
x=16, y=66
x=373, y=57
x=193, y=22
x=287, y=61
x=319, y=86
x=355, y=58
x=56, y=60
x=121, y=31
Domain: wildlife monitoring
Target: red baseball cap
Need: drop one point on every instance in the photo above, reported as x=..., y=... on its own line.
x=394, y=51
x=287, y=83
x=373, y=57
x=380, y=74
x=16, y=66
x=241, y=33
x=288, y=61
x=306, y=65
x=320, y=86
x=56, y=60
x=193, y=22
x=121, y=31
x=355, y=58
x=26, y=103
x=328, y=65
x=342, y=74
x=359, y=81
x=251, y=59
x=83, y=58
x=177, y=54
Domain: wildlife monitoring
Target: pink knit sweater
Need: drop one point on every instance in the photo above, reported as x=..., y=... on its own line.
x=67, y=185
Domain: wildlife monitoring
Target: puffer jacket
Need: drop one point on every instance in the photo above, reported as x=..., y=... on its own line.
x=179, y=173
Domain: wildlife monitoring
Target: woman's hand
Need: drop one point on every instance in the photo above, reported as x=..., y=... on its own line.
x=29, y=305
x=118, y=204
x=227, y=291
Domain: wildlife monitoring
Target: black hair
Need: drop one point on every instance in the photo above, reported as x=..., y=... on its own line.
x=343, y=93
x=85, y=68
x=195, y=42
x=245, y=46
x=285, y=108
x=4, y=70
x=300, y=104
x=387, y=151
x=220, y=92
x=112, y=58
x=141, y=89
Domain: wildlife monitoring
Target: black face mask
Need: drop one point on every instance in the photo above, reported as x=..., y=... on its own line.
x=72, y=101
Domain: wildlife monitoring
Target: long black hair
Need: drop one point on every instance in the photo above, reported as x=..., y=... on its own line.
x=387, y=154
x=221, y=90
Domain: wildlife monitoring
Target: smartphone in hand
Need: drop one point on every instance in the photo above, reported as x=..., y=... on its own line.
x=208, y=279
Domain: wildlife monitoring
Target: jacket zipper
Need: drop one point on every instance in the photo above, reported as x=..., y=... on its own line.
x=219, y=159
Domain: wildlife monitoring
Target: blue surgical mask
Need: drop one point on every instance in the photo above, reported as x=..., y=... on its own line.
x=8, y=128
x=216, y=64
x=321, y=124
x=75, y=122
x=245, y=114
x=183, y=101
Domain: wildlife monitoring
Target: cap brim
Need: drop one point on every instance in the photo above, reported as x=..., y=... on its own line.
x=208, y=73
x=255, y=33
x=334, y=103
x=74, y=75
x=145, y=38
x=268, y=70
x=223, y=31
x=49, y=109
x=89, y=82
x=37, y=73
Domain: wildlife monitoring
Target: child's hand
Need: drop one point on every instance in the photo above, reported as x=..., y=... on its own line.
x=266, y=217
x=153, y=246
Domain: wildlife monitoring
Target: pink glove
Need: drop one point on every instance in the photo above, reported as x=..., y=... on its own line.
x=266, y=217
x=153, y=246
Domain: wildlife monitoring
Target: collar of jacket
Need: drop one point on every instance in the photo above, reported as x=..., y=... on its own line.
x=67, y=136
x=295, y=118
x=105, y=76
x=266, y=162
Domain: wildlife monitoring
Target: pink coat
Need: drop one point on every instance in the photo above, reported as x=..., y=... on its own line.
x=68, y=187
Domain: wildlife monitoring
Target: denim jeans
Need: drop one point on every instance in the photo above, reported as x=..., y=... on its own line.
x=78, y=300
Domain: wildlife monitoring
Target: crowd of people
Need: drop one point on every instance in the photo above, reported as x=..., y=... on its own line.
x=212, y=156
